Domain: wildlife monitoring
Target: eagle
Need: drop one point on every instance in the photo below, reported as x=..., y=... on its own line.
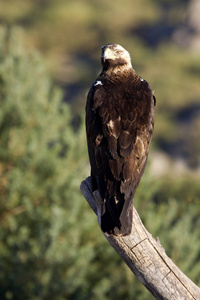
x=119, y=127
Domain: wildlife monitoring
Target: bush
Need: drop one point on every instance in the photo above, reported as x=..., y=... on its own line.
x=39, y=166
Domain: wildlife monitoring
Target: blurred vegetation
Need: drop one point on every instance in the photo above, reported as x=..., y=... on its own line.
x=51, y=246
x=71, y=33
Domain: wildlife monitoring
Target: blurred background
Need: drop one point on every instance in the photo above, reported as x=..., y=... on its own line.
x=50, y=244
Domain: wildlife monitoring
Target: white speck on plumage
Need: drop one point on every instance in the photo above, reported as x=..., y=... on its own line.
x=110, y=124
x=98, y=82
x=141, y=79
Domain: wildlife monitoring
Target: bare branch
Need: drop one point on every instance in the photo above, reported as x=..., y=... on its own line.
x=146, y=257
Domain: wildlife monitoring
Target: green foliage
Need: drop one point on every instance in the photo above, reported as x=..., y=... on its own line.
x=39, y=165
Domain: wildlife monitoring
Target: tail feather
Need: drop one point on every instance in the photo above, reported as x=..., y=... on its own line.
x=114, y=223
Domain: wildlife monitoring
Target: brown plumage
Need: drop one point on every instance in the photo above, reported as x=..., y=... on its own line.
x=119, y=126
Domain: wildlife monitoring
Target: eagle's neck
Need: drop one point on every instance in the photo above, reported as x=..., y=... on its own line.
x=119, y=73
x=122, y=69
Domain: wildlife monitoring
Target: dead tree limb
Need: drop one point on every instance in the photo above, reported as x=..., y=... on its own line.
x=147, y=258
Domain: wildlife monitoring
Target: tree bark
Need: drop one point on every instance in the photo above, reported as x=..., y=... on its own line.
x=146, y=257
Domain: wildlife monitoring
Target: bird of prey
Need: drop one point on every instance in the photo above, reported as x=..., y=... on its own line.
x=119, y=127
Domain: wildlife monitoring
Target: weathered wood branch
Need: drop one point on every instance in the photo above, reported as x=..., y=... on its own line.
x=146, y=257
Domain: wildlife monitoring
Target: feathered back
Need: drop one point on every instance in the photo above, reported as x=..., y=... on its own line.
x=119, y=125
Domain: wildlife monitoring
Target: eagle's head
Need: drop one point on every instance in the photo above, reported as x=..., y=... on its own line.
x=114, y=55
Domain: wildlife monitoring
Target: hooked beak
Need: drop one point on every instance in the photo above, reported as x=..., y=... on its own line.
x=108, y=54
